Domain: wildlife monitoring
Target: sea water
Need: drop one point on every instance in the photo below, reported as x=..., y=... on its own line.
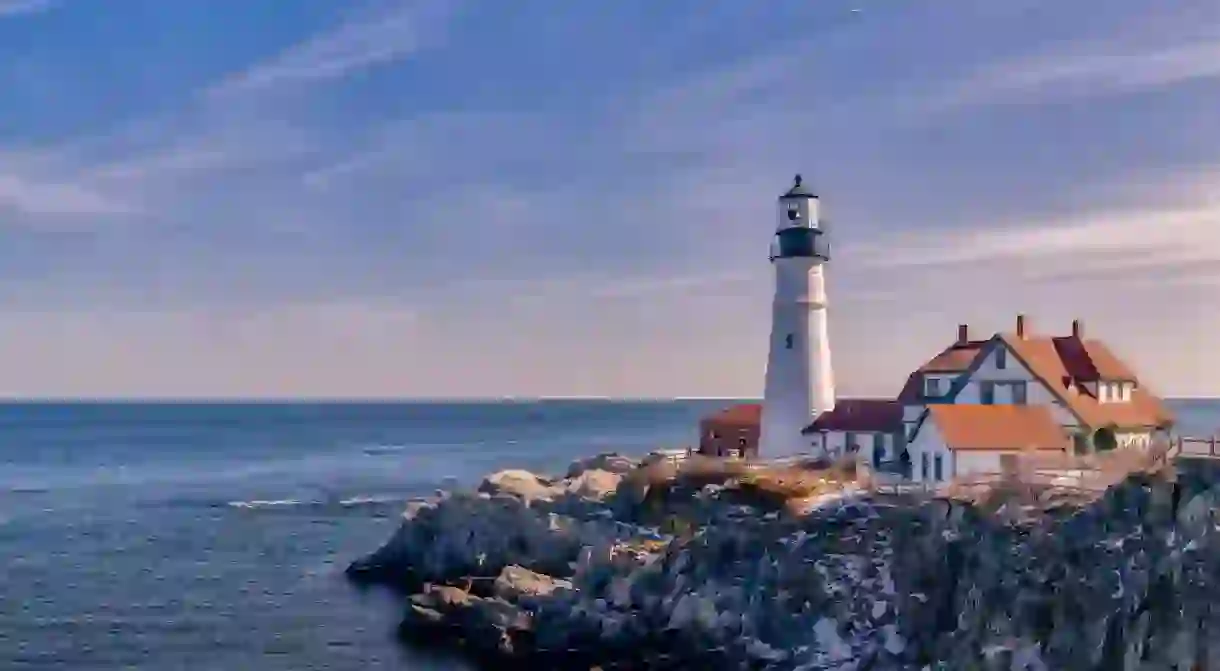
x=166, y=536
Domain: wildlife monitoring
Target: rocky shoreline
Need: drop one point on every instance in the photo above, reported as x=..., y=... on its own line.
x=629, y=566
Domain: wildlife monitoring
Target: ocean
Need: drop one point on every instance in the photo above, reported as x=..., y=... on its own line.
x=167, y=536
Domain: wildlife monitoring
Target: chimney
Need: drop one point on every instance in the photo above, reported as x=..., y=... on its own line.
x=1021, y=326
x=1077, y=329
x=963, y=334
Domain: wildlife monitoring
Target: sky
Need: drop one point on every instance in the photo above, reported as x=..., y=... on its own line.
x=450, y=199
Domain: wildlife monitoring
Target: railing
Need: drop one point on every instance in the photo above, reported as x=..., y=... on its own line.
x=1195, y=447
x=1089, y=474
x=673, y=456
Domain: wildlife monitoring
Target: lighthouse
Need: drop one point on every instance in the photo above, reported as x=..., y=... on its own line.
x=799, y=381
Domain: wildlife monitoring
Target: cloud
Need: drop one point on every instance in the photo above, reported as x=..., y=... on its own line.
x=1099, y=67
x=1089, y=234
x=263, y=351
x=1137, y=221
x=33, y=184
x=20, y=7
x=596, y=225
x=35, y=198
x=609, y=288
x=389, y=32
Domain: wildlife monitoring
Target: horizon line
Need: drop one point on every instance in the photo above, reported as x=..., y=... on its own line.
x=394, y=400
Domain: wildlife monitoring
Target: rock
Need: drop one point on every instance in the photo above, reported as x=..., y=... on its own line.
x=610, y=462
x=521, y=484
x=515, y=583
x=594, y=484
x=466, y=535
x=442, y=598
x=887, y=583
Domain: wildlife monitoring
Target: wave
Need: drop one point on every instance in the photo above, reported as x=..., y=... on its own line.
x=265, y=504
x=29, y=490
x=387, y=449
x=358, y=501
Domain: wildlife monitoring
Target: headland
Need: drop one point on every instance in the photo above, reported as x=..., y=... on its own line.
x=715, y=564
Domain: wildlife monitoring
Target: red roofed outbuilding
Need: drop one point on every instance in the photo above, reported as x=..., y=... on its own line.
x=731, y=432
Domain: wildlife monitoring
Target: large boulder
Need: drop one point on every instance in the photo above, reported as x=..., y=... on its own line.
x=611, y=462
x=593, y=484
x=521, y=484
x=464, y=535
x=516, y=583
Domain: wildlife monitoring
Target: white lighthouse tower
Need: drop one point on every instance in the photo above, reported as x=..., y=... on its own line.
x=799, y=380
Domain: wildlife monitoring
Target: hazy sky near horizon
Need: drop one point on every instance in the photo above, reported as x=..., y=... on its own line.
x=445, y=198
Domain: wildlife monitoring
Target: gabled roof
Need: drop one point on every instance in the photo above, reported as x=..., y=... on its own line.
x=998, y=427
x=955, y=358
x=742, y=414
x=1106, y=364
x=860, y=414
x=1065, y=364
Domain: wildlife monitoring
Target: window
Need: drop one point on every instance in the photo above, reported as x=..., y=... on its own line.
x=788, y=341
x=1019, y=391
x=939, y=473
x=987, y=393
x=931, y=387
x=923, y=468
x=1127, y=388
x=1001, y=358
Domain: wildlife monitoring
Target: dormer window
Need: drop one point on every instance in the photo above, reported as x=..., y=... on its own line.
x=1115, y=392
x=931, y=387
x=1122, y=391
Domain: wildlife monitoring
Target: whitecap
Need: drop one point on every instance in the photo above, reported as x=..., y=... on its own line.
x=368, y=500
x=265, y=504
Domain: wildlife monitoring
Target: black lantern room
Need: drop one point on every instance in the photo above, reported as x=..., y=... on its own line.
x=800, y=234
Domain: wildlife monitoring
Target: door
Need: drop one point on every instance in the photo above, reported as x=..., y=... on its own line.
x=1008, y=466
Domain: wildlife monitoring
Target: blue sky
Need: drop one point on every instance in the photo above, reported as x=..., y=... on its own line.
x=448, y=199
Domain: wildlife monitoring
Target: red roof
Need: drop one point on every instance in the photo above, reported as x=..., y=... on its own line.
x=743, y=414
x=998, y=427
x=955, y=358
x=1065, y=364
x=860, y=414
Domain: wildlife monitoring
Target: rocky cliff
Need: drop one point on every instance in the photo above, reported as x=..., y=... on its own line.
x=605, y=568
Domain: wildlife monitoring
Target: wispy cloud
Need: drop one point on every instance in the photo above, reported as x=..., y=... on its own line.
x=34, y=183
x=387, y=32
x=1103, y=232
x=1094, y=68
x=17, y=7
x=50, y=198
x=601, y=220
x=609, y=288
